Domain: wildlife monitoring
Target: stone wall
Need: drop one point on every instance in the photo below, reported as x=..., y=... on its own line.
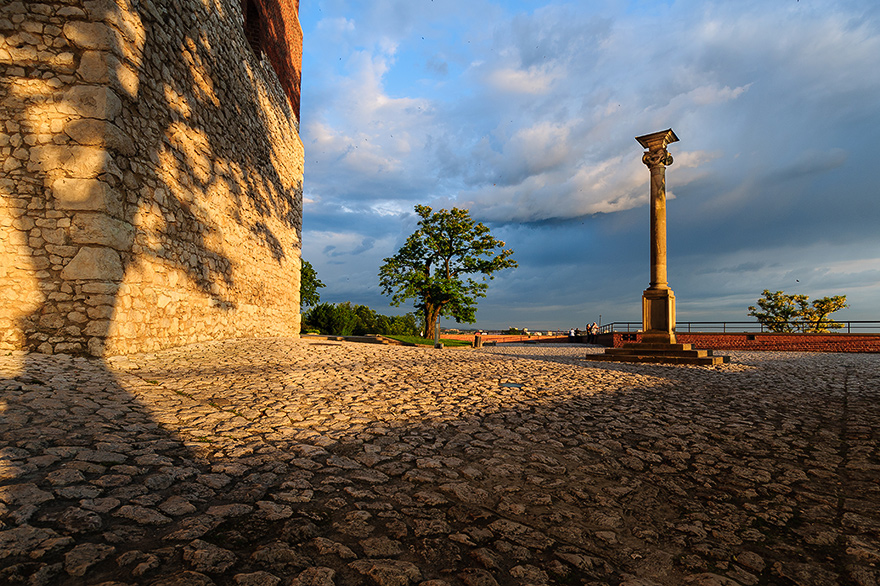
x=151, y=186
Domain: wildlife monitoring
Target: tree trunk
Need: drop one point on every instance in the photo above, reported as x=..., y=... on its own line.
x=432, y=314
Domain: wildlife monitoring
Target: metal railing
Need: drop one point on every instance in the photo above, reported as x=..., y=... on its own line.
x=848, y=327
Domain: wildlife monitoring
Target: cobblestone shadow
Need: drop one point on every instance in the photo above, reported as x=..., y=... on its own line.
x=87, y=475
x=281, y=462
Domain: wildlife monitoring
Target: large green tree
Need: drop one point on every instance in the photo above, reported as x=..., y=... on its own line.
x=781, y=312
x=435, y=264
x=309, y=283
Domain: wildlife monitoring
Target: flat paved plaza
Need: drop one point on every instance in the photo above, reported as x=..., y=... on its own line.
x=296, y=462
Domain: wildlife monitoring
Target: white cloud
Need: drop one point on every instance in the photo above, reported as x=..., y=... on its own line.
x=534, y=80
x=714, y=94
x=335, y=26
x=694, y=159
x=390, y=208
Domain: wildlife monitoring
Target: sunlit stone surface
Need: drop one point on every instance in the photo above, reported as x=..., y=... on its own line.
x=150, y=174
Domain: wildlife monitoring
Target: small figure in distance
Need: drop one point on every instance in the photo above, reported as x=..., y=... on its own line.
x=593, y=333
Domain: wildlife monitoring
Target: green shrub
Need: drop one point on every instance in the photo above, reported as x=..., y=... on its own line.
x=345, y=319
x=334, y=320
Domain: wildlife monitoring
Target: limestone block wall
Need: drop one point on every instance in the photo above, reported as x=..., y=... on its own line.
x=151, y=185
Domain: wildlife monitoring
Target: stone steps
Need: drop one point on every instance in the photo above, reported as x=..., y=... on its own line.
x=650, y=352
x=659, y=354
x=659, y=359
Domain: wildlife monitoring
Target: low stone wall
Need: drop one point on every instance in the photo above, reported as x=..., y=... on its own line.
x=761, y=341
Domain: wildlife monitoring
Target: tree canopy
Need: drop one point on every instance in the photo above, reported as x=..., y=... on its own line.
x=309, y=283
x=433, y=266
x=781, y=312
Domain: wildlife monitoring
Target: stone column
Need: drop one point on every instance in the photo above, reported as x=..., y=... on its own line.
x=658, y=300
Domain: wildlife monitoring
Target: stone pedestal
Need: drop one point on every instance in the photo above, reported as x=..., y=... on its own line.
x=658, y=316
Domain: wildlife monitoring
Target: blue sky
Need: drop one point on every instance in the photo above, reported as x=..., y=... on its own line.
x=526, y=112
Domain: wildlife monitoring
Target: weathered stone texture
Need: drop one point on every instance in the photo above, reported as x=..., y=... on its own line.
x=151, y=192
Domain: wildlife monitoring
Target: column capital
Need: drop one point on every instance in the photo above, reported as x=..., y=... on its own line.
x=656, y=143
x=657, y=158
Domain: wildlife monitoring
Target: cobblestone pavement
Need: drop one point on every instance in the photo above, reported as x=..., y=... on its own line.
x=267, y=462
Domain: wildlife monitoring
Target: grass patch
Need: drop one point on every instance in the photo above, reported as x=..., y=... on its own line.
x=429, y=341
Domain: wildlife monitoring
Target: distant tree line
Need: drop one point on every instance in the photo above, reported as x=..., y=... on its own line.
x=345, y=319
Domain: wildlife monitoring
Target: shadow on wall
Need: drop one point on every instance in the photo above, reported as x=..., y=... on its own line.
x=157, y=172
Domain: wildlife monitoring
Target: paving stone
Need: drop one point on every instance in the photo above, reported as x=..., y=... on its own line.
x=257, y=579
x=320, y=576
x=177, y=506
x=273, y=511
x=25, y=540
x=233, y=510
x=24, y=494
x=380, y=547
x=142, y=515
x=64, y=477
x=477, y=577
x=101, y=457
x=280, y=557
x=207, y=557
x=326, y=546
x=386, y=572
x=193, y=527
x=77, y=520
x=142, y=563
x=78, y=560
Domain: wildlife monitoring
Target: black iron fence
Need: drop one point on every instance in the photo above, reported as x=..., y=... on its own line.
x=834, y=326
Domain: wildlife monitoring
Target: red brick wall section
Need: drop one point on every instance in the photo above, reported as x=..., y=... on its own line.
x=767, y=341
x=282, y=40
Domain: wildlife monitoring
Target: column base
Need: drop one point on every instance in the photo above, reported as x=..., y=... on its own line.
x=658, y=316
x=650, y=353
